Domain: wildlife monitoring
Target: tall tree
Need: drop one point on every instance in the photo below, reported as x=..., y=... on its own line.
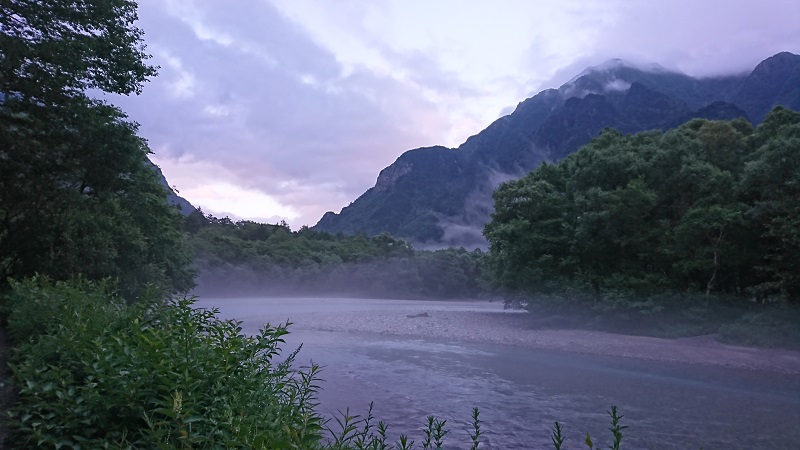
x=53, y=48
x=75, y=194
x=771, y=185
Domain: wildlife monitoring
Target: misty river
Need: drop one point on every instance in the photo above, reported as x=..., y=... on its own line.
x=417, y=358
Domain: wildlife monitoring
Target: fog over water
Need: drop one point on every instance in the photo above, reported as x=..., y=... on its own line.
x=416, y=358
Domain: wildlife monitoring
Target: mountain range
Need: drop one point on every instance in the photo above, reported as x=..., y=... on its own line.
x=439, y=196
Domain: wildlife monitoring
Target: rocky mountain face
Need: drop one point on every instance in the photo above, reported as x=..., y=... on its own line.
x=173, y=198
x=437, y=196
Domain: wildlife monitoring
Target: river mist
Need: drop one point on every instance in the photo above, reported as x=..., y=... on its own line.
x=417, y=358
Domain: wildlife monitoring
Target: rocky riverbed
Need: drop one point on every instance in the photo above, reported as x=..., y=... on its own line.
x=415, y=358
x=488, y=322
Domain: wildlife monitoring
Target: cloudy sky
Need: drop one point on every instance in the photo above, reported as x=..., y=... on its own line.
x=284, y=109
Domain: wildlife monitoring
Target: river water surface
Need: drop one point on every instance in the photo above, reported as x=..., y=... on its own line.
x=417, y=358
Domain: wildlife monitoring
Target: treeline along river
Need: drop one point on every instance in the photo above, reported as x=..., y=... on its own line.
x=416, y=358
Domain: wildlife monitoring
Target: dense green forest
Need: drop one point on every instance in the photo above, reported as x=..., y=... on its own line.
x=244, y=257
x=709, y=208
x=705, y=214
x=76, y=197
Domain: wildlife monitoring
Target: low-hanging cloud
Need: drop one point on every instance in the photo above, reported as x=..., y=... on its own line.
x=466, y=229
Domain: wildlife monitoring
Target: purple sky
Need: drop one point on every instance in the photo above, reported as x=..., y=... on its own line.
x=285, y=109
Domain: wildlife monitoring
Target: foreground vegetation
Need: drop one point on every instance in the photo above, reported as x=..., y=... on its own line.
x=95, y=372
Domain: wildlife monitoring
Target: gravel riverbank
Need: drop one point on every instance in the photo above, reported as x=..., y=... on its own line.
x=488, y=322
x=512, y=329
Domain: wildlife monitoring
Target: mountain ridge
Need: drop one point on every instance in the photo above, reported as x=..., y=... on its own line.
x=183, y=205
x=437, y=196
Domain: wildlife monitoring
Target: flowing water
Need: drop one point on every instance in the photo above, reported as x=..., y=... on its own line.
x=521, y=391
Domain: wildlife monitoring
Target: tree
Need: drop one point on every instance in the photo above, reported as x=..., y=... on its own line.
x=529, y=232
x=771, y=186
x=76, y=195
x=53, y=48
x=707, y=208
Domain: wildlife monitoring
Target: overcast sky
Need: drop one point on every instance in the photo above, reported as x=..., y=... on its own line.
x=285, y=109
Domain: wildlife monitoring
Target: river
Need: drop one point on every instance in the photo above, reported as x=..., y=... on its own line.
x=417, y=358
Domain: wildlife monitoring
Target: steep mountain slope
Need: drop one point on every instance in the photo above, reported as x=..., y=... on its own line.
x=442, y=197
x=173, y=198
x=775, y=81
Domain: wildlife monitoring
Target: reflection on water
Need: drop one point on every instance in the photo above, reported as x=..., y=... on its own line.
x=521, y=391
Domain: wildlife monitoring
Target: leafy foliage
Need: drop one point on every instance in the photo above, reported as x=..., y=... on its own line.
x=709, y=209
x=239, y=257
x=151, y=375
x=76, y=195
x=53, y=49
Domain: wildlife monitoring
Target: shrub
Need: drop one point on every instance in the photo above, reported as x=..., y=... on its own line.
x=37, y=306
x=152, y=375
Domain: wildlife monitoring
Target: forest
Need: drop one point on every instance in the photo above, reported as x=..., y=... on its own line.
x=709, y=208
x=696, y=226
x=245, y=257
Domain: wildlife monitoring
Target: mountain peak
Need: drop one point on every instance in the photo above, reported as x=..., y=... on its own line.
x=782, y=56
x=615, y=64
x=774, y=81
x=614, y=75
x=441, y=196
x=778, y=61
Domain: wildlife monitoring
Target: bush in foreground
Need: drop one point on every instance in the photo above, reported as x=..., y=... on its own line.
x=94, y=372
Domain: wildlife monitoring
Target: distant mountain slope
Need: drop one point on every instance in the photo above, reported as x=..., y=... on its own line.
x=442, y=197
x=174, y=199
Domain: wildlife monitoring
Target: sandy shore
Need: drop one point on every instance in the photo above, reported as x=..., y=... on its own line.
x=509, y=328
